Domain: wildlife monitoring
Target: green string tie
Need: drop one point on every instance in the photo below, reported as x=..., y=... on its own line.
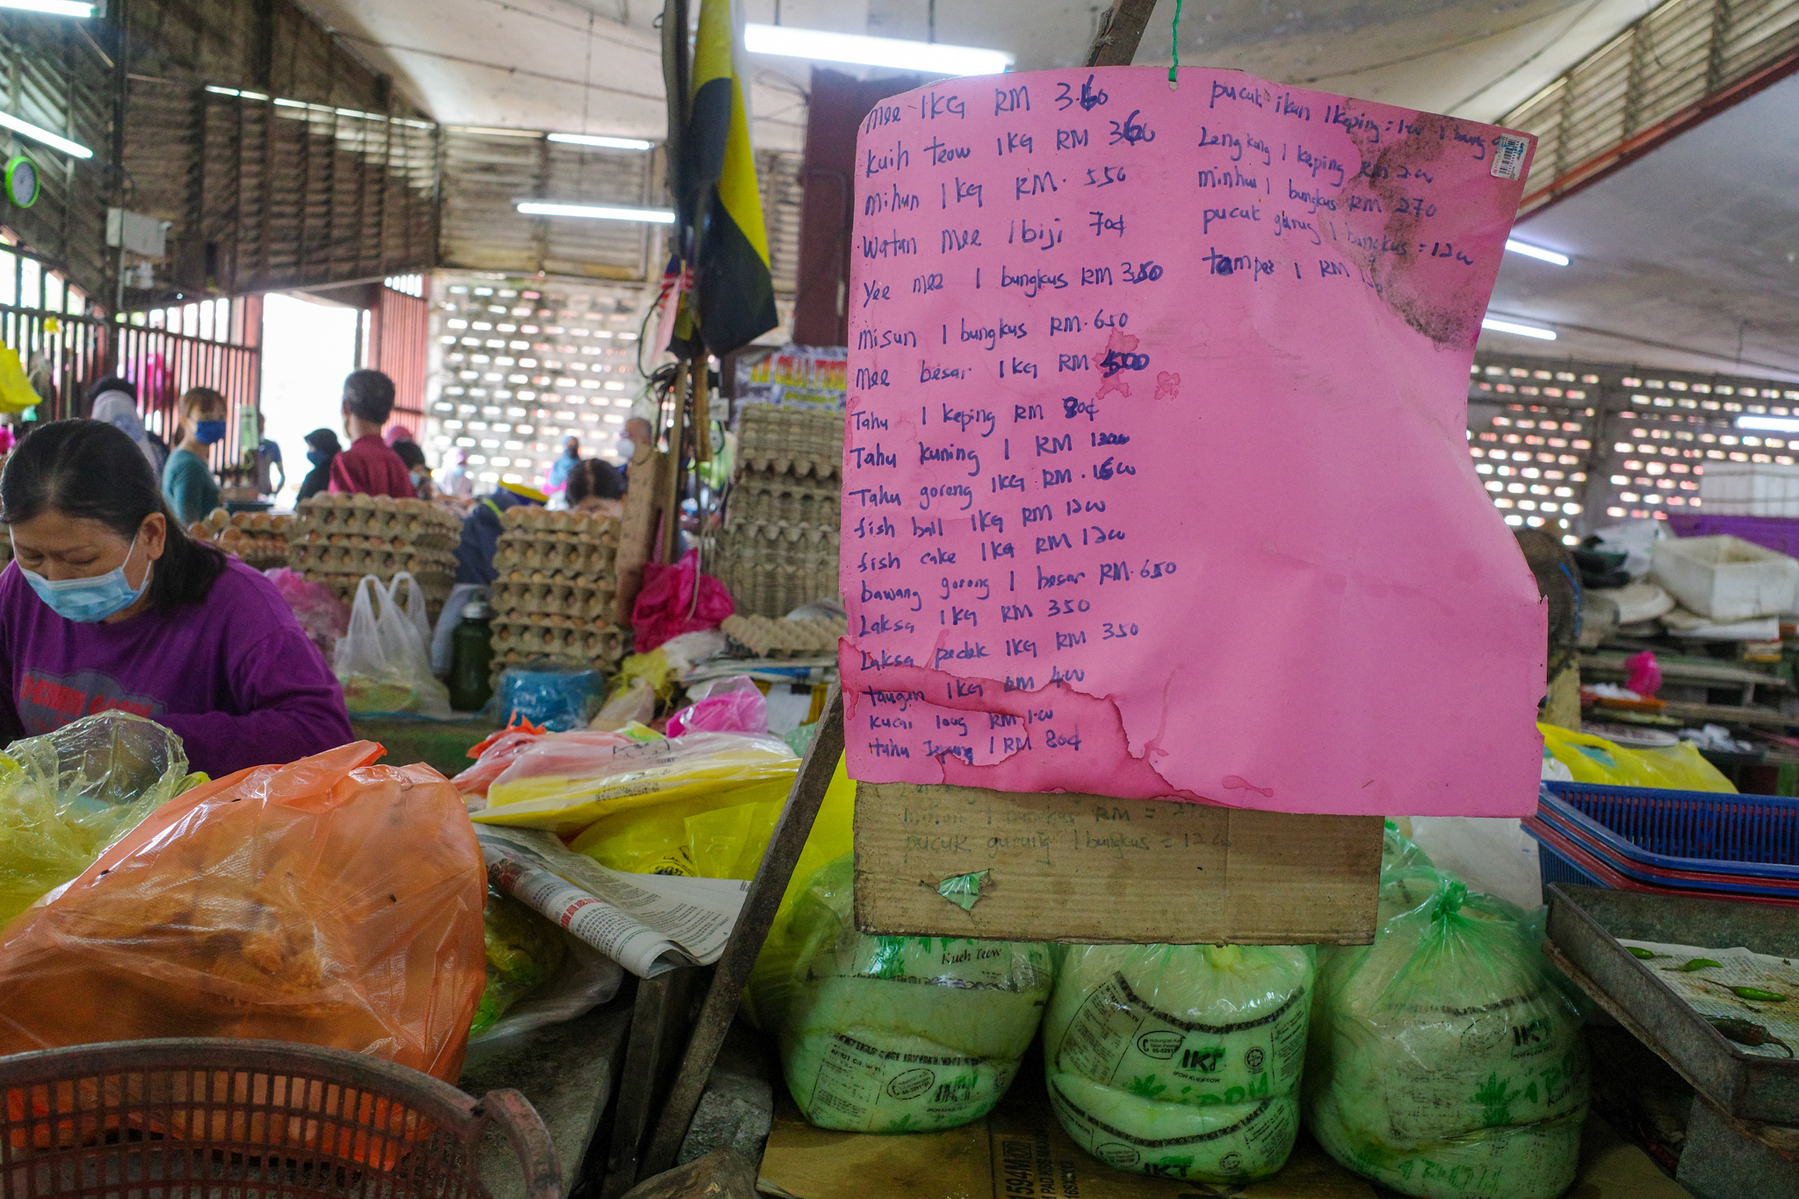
x=1176, y=35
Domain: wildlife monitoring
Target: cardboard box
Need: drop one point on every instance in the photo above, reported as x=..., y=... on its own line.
x=1021, y=1152
x=1000, y=865
x=1018, y=1152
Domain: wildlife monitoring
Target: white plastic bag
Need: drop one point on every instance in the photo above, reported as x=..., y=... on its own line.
x=384, y=661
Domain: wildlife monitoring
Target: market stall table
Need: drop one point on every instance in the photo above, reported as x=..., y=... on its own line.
x=442, y=745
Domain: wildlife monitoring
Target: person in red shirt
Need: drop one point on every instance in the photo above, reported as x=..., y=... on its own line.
x=368, y=466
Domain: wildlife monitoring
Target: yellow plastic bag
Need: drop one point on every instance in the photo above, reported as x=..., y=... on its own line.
x=566, y=785
x=772, y=982
x=16, y=394
x=1593, y=759
x=717, y=834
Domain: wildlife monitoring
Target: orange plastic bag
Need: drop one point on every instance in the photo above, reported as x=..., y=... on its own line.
x=329, y=901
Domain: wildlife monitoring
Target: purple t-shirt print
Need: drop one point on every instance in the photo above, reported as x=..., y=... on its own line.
x=234, y=676
x=47, y=702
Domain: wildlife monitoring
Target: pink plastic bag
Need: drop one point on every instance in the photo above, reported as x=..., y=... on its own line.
x=1645, y=674
x=320, y=613
x=734, y=705
x=666, y=607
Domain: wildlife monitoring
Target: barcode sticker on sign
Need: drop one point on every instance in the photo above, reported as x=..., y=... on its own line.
x=1508, y=155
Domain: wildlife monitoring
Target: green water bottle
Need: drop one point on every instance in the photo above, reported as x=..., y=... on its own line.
x=471, y=658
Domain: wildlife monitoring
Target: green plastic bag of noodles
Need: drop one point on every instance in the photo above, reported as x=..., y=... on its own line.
x=1180, y=1060
x=897, y=1034
x=68, y=794
x=1445, y=1061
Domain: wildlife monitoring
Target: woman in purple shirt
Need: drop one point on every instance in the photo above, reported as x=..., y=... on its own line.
x=110, y=604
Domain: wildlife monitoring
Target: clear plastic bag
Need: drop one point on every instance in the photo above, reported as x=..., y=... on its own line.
x=733, y=705
x=567, y=781
x=384, y=660
x=330, y=901
x=557, y=696
x=68, y=794
x=633, y=701
x=1445, y=1061
x=897, y=1034
x=1180, y=1061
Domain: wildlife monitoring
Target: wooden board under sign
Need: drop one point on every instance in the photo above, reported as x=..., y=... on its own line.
x=1087, y=868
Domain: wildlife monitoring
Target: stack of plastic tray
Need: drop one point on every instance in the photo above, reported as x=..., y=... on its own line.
x=1697, y=843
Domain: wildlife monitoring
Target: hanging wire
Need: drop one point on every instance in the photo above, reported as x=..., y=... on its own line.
x=1175, y=35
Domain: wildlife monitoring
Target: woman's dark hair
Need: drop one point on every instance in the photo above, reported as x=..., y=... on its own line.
x=324, y=441
x=595, y=479
x=410, y=453
x=100, y=387
x=91, y=471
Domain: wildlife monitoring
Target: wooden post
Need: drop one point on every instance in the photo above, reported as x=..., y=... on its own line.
x=671, y=506
x=1119, y=32
x=702, y=420
x=732, y=973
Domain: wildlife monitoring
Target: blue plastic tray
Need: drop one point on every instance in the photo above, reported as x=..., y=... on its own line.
x=1561, y=860
x=1582, y=835
x=1756, y=836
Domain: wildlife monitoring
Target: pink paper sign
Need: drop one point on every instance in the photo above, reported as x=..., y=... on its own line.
x=1156, y=472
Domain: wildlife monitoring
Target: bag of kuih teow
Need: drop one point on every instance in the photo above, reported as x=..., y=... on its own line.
x=329, y=901
x=1444, y=1060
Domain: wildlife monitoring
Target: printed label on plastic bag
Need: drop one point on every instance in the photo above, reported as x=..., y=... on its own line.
x=857, y=1085
x=1117, y=1039
x=1253, y=1143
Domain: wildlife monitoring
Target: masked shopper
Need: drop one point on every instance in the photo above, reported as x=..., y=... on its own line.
x=187, y=481
x=109, y=604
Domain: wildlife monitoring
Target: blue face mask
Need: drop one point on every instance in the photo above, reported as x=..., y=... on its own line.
x=318, y=457
x=89, y=600
x=208, y=432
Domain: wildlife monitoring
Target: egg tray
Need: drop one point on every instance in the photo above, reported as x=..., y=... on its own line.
x=423, y=524
x=539, y=522
x=805, y=506
x=344, y=585
x=381, y=560
x=260, y=539
x=787, y=441
x=571, y=561
x=553, y=597
x=761, y=586
x=761, y=536
x=769, y=638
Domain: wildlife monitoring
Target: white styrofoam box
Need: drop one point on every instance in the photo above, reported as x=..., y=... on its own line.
x=1749, y=489
x=1726, y=578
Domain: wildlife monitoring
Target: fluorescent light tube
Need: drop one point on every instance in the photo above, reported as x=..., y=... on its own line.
x=27, y=129
x=1499, y=326
x=56, y=8
x=649, y=216
x=933, y=58
x=1772, y=424
x=1530, y=251
x=604, y=143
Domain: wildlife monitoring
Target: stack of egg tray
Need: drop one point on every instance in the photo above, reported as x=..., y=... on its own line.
x=554, y=588
x=259, y=538
x=779, y=547
x=337, y=539
x=767, y=638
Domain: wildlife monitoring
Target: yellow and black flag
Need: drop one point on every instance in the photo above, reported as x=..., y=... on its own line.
x=725, y=240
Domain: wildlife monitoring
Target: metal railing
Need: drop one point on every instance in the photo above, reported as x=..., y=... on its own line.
x=1675, y=66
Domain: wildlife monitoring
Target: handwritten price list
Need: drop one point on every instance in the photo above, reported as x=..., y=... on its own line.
x=1154, y=398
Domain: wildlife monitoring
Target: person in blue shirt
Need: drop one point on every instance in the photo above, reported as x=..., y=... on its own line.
x=187, y=480
x=481, y=531
x=571, y=454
